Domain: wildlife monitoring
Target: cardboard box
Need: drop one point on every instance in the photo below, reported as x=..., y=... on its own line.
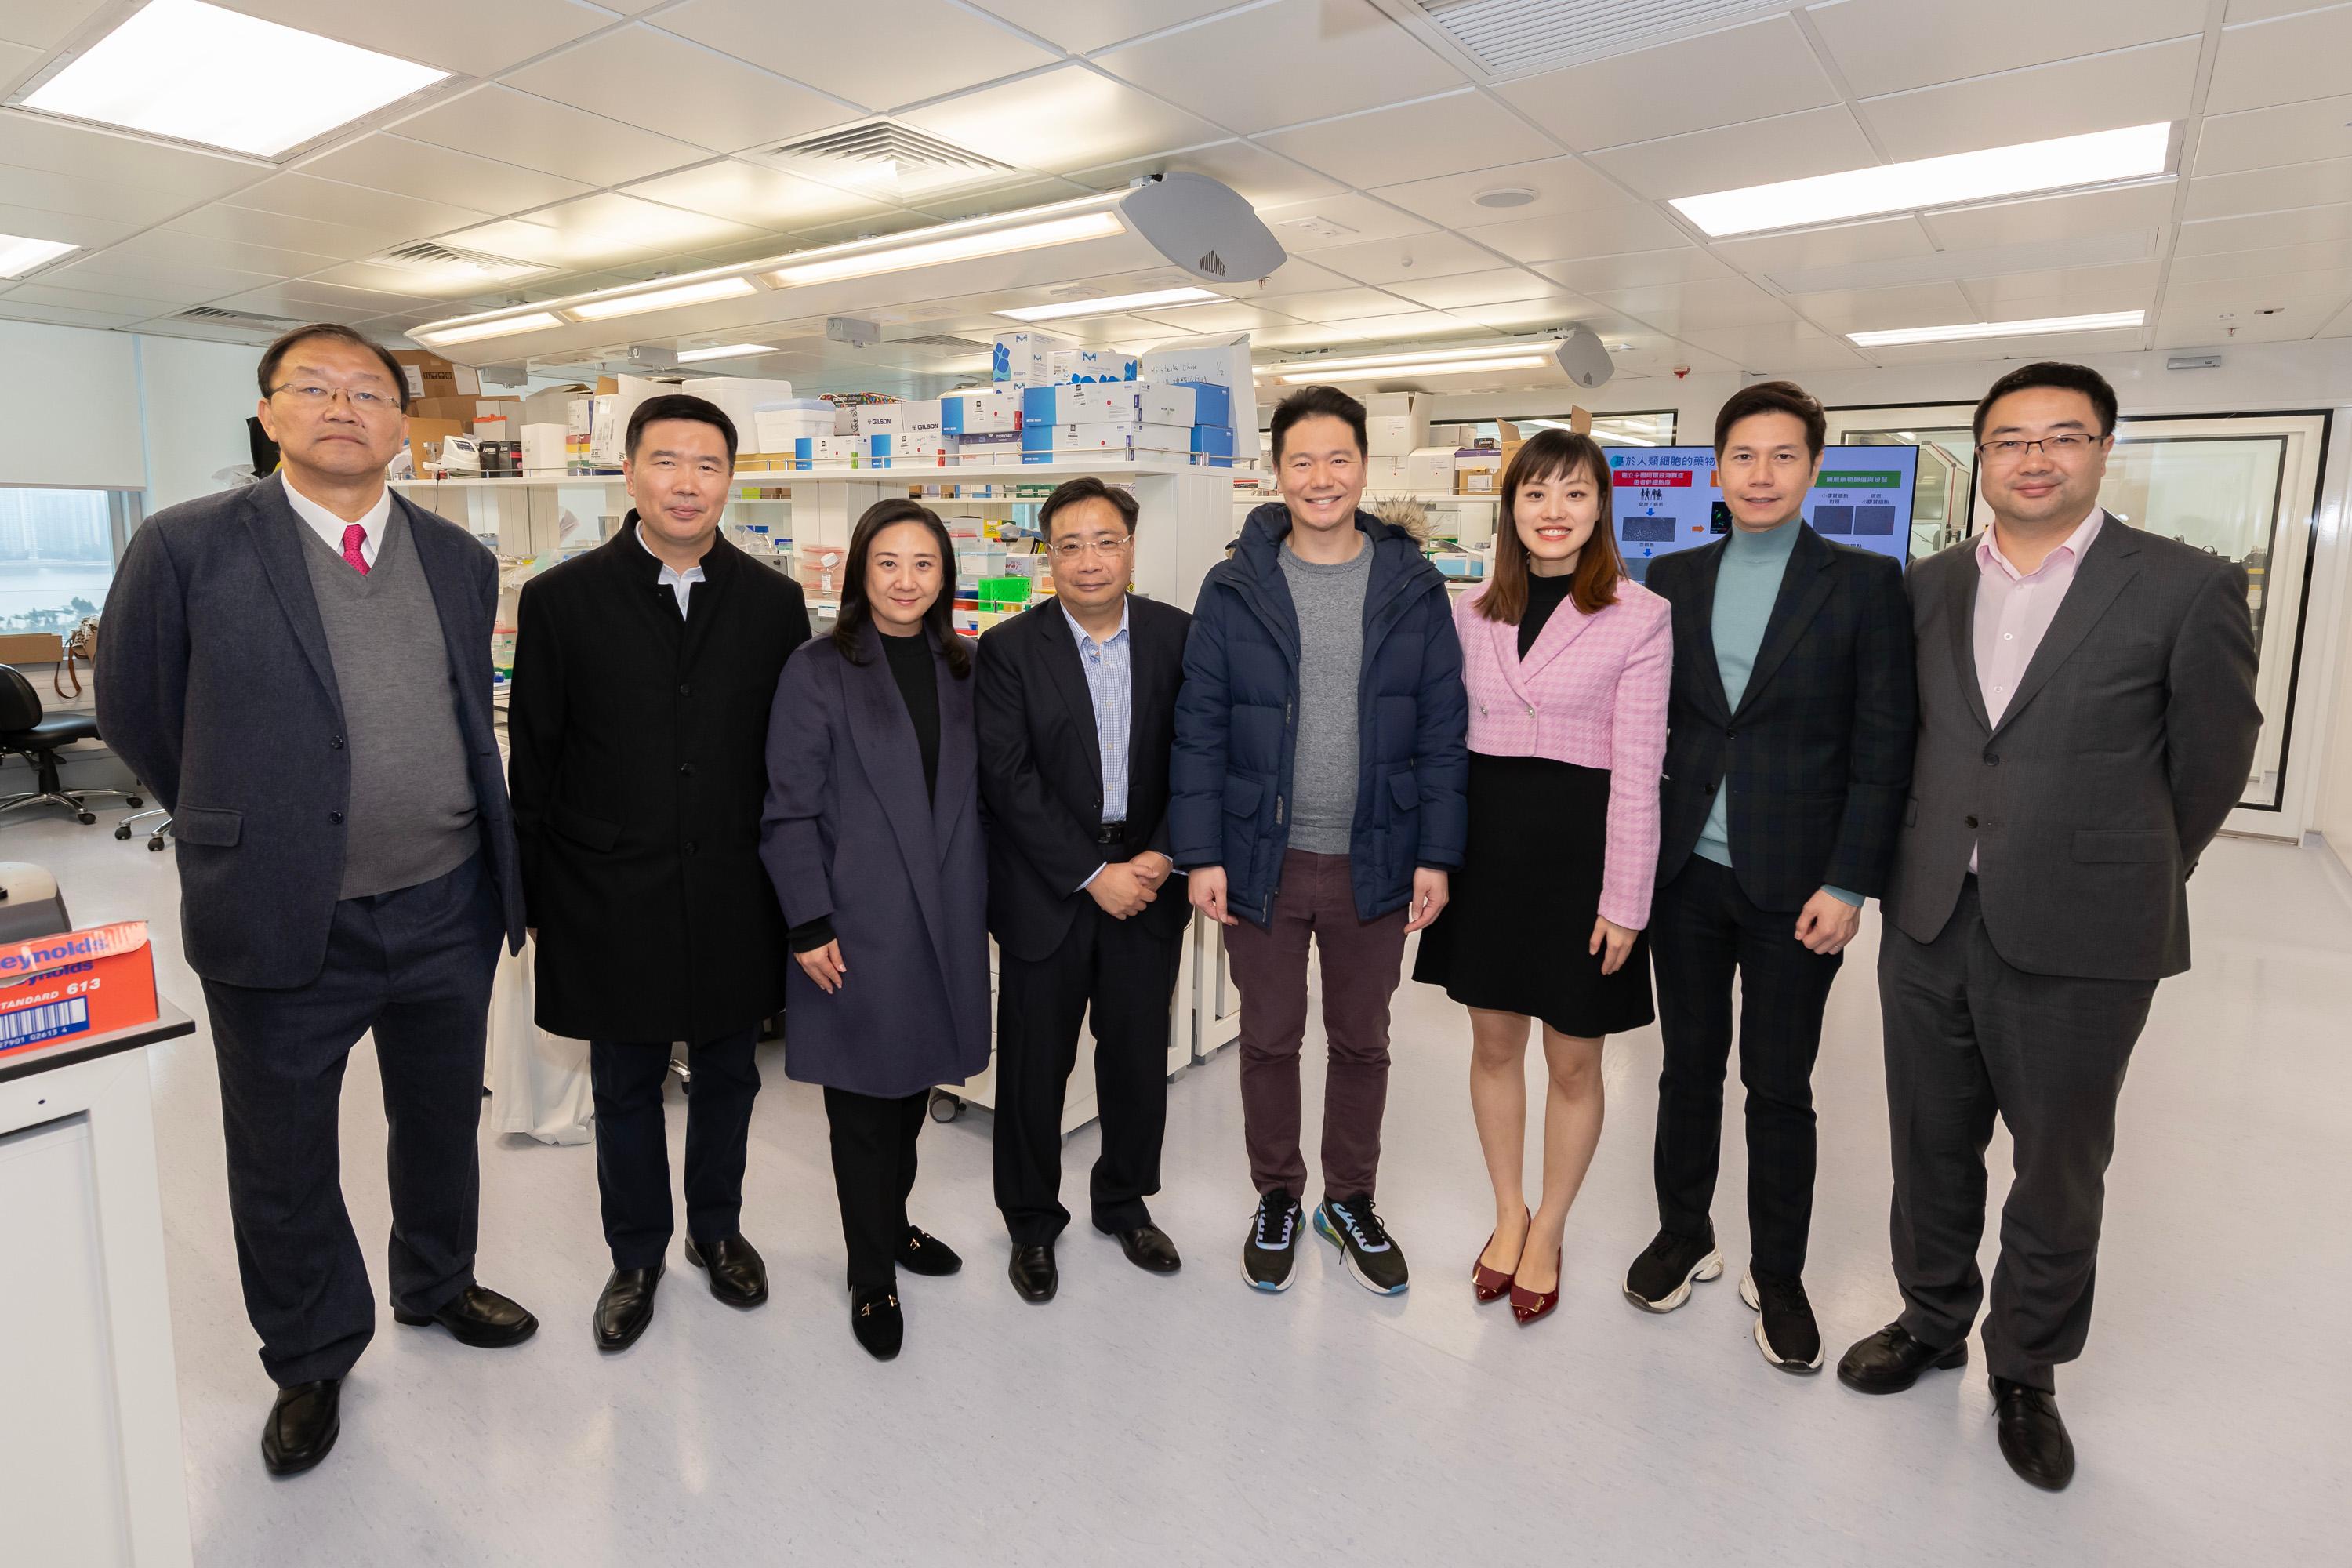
x=31, y=647
x=430, y=375
x=1028, y=359
x=1221, y=359
x=1213, y=403
x=1102, y=364
x=1430, y=468
x=1478, y=471
x=75, y=984
x=542, y=450
x=425, y=437
x=553, y=405
x=991, y=413
x=1382, y=473
x=1096, y=403
x=1213, y=446
x=738, y=397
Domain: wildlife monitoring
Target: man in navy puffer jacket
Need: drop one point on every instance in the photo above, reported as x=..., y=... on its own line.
x=1316, y=791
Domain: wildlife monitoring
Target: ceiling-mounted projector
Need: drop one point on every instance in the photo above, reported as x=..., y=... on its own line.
x=1584, y=358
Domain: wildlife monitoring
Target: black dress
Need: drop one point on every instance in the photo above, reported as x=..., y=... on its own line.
x=1520, y=910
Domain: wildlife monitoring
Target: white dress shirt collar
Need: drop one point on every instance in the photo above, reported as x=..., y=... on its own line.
x=1084, y=637
x=329, y=527
x=680, y=583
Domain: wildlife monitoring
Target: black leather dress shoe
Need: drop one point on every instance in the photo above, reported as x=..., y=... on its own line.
x=483, y=1319
x=875, y=1319
x=926, y=1253
x=1033, y=1273
x=1891, y=1360
x=2032, y=1438
x=738, y=1276
x=1148, y=1248
x=303, y=1426
x=626, y=1306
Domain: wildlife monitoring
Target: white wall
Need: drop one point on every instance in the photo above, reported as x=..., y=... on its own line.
x=196, y=398
x=69, y=408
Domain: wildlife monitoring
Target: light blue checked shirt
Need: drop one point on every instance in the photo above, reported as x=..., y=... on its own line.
x=1110, y=684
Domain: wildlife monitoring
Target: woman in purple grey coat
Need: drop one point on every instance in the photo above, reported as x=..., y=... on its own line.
x=872, y=836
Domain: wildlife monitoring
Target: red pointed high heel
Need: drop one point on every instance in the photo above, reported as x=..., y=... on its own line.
x=1490, y=1284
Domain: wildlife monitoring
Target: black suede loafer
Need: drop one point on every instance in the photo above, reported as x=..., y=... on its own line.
x=476, y=1317
x=926, y=1254
x=875, y=1319
x=738, y=1275
x=303, y=1426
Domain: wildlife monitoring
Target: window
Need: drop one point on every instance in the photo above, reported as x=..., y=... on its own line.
x=57, y=550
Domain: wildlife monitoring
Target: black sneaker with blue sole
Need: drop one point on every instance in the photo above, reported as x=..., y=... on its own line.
x=1270, y=1253
x=1371, y=1254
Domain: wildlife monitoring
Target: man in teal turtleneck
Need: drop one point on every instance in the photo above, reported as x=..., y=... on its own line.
x=1787, y=762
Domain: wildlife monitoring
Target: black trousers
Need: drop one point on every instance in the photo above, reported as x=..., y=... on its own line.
x=1125, y=976
x=872, y=1172
x=1969, y=1037
x=1703, y=932
x=414, y=966
x=633, y=1141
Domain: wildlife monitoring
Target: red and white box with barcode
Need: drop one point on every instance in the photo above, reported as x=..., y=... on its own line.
x=75, y=984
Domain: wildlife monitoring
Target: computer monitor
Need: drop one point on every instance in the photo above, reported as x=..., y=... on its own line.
x=1667, y=499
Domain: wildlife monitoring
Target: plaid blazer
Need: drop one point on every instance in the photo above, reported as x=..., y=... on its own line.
x=1817, y=756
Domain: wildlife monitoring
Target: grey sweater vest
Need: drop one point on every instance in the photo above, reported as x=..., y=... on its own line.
x=411, y=816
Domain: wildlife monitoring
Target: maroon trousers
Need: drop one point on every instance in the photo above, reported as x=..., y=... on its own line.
x=1362, y=961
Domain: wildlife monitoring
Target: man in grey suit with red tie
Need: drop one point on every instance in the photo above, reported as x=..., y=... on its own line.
x=2086, y=721
x=301, y=671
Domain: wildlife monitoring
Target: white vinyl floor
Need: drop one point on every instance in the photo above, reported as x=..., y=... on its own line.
x=1190, y=1420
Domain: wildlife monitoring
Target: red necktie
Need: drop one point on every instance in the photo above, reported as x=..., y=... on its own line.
x=354, y=536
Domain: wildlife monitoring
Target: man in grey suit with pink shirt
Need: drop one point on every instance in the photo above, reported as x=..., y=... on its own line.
x=2086, y=721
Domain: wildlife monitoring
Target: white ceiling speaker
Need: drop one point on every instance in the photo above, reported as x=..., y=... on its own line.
x=1505, y=196
x=1584, y=358
x=1194, y=223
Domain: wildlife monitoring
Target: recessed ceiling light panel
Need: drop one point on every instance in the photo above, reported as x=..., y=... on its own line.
x=1966, y=332
x=724, y=351
x=18, y=255
x=1110, y=304
x=198, y=73
x=2100, y=157
x=1381, y=370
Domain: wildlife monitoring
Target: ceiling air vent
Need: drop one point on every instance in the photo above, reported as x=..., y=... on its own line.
x=1513, y=37
x=884, y=158
x=450, y=262
x=215, y=316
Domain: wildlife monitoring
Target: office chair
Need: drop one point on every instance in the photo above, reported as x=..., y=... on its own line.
x=38, y=737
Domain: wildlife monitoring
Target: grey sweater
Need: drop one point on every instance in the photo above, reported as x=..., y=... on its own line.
x=1330, y=604
x=411, y=816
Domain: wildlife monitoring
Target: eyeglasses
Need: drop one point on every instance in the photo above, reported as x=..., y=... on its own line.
x=1072, y=548
x=2074, y=444
x=311, y=395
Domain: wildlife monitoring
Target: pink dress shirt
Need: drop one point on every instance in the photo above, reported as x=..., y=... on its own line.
x=1592, y=691
x=2014, y=610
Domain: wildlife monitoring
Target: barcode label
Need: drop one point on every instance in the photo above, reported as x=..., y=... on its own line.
x=36, y=1024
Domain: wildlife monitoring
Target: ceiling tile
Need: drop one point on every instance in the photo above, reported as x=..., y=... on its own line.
x=879, y=53
x=2203, y=329
x=1070, y=117
x=754, y=194
x=2039, y=219
x=2263, y=230
x=2072, y=291
x=1248, y=72
x=1777, y=349
x=355, y=207
x=596, y=231
x=1561, y=185
x=2281, y=61
x=1097, y=23
x=1753, y=72
x=71, y=228
x=2096, y=92
x=1808, y=249
x=166, y=246
x=275, y=301
x=43, y=24
x=1678, y=308
x=1295, y=276
x=1792, y=147
x=1873, y=309
x=1609, y=231
x=697, y=94
x=422, y=169
x=2330, y=288
x=1455, y=134
x=468, y=38
x=1303, y=337
x=1339, y=304
x=1009, y=195
x=2270, y=190
x=35, y=142
x=1303, y=226
x=2068, y=346
x=2315, y=256
x=1262, y=178
x=1631, y=270
x=1416, y=255
x=1503, y=286
x=135, y=207
x=2339, y=326
x=249, y=226
x=15, y=59
x=188, y=285
x=1535, y=315
x=445, y=289
x=1881, y=48
x=1414, y=324
x=39, y=293
x=1196, y=319
x=57, y=316
x=2289, y=133
x=518, y=128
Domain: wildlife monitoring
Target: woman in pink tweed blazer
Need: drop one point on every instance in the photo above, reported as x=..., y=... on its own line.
x=1567, y=662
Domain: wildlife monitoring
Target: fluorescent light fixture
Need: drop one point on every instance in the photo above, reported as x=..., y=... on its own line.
x=2096, y=158
x=1375, y=371
x=198, y=73
x=725, y=350
x=19, y=255
x=1415, y=357
x=864, y=259
x=1110, y=305
x=1966, y=331
x=474, y=332
x=700, y=293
